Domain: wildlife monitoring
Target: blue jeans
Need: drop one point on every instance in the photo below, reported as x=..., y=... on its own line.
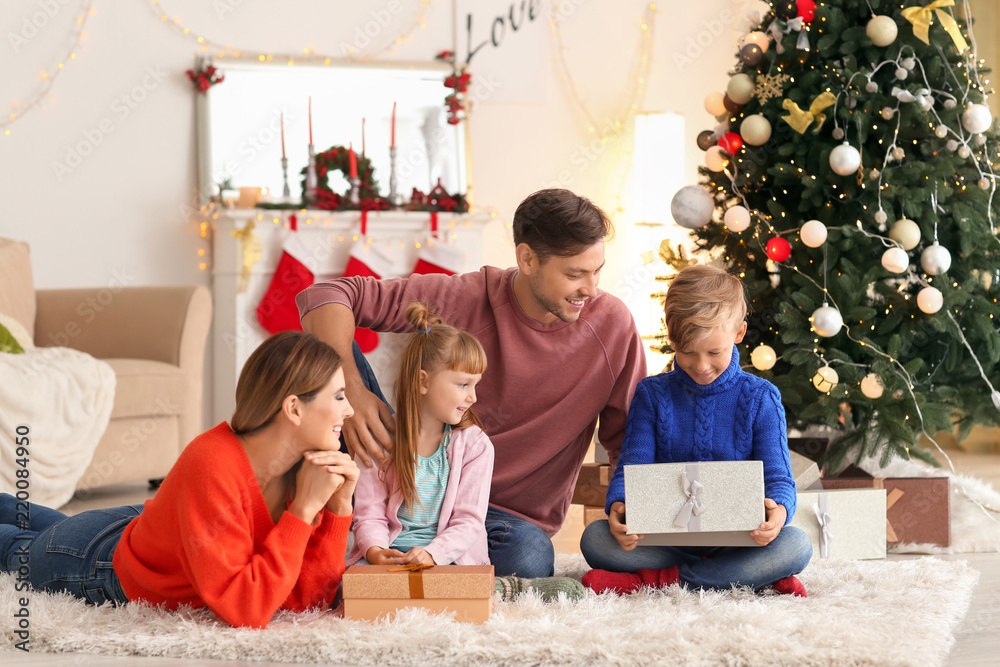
x=516, y=546
x=61, y=554
x=703, y=567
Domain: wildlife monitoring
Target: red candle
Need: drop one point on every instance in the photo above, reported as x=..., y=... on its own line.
x=282, y=134
x=362, y=137
x=353, y=161
x=392, y=141
x=310, y=119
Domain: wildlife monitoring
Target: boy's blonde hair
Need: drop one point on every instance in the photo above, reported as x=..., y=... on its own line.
x=699, y=299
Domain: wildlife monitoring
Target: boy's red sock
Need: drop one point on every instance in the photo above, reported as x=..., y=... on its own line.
x=623, y=583
x=790, y=586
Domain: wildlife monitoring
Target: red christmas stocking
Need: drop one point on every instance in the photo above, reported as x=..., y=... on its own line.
x=277, y=311
x=436, y=257
x=367, y=260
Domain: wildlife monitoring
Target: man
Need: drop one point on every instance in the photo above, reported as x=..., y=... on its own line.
x=561, y=354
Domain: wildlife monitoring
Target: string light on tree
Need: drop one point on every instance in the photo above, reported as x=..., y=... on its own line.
x=763, y=357
x=871, y=386
x=825, y=379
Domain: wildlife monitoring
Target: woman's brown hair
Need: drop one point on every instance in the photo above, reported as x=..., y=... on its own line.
x=290, y=363
x=434, y=347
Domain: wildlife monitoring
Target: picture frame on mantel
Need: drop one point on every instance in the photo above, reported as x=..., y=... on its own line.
x=240, y=125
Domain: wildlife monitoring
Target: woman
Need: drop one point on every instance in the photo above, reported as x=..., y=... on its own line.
x=253, y=517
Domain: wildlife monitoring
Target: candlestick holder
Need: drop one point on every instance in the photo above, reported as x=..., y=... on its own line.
x=355, y=193
x=395, y=198
x=311, y=175
x=286, y=193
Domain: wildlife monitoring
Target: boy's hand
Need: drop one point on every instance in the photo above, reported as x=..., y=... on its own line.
x=616, y=520
x=775, y=520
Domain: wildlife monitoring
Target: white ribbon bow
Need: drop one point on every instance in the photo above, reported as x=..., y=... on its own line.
x=921, y=97
x=825, y=536
x=779, y=29
x=693, y=506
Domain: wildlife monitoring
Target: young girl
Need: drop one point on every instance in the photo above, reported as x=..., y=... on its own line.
x=427, y=502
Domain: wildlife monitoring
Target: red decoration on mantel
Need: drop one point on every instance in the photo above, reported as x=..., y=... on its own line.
x=203, y=79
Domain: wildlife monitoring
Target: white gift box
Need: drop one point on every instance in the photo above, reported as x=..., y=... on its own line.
x=698, y=504
x=843, y=523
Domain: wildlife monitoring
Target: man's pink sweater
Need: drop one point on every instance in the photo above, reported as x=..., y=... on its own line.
x=545, y=386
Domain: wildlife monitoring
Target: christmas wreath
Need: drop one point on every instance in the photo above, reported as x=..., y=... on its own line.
x=337, y=158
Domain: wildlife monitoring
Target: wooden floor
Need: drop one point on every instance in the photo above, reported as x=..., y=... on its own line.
x=978, y=636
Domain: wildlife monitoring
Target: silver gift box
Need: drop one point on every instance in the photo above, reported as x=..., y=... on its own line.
x=702, y=504
x=843, y=523
x=806, y=473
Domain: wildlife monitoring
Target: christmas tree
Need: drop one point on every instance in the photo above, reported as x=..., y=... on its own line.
x=851, y=181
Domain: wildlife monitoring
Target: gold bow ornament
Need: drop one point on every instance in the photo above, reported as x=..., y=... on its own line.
x=801, y=120
x=251, y=251
x=922, y=17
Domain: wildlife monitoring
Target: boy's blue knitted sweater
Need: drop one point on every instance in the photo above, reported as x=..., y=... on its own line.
x=738, y=417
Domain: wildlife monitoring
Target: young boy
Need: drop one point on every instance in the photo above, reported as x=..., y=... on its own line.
x=706, y=409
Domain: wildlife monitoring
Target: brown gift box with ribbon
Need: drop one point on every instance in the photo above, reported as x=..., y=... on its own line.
x=916, y=507
x=374, y=591
x=592, y=485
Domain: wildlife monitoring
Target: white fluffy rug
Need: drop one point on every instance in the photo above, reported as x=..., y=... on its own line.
x=858, y=613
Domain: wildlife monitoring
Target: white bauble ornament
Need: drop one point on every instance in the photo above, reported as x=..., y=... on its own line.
x=984, y=183
x=825, y=379
x=977, y=118
x=909, y=63
x=845, y=159
x=901, y=73
x=827, y=321
x=716, y=158
x=871, y=87
x=881, y=217
x=838, y=133
x=895, y=260
x=888, y=113
x=882, y=30
x=874, y=174
x=737, y=218
x=740, y=88
x=952, y=145
x=941, y=131
x=692, y=207
x=930, y=300
x=898, y=153
x=964, y=151
x=871, y=386
x=759, y=38
x=755, y=130
x=715, y=104
x=906, y=232
x=935, y=259
x=950, y=103
x=763, y=357
x=813, y=233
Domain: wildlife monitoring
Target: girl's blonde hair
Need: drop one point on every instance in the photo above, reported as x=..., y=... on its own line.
x=290, y=363
x=434, y=347
x=700, y=299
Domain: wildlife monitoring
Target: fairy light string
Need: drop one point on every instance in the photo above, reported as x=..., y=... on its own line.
x=49, y=75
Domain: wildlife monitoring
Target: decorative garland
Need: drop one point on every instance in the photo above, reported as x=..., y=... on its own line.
x=337, y=158
x=455, y=102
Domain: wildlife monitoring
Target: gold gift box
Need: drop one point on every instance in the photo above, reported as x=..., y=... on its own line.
x=374, y=591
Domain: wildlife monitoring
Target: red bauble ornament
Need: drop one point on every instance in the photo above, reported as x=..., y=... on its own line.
x=778, y=249
x=731, y=142
x=807, y=10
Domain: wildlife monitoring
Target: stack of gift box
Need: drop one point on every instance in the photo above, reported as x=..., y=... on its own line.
x=852, y=515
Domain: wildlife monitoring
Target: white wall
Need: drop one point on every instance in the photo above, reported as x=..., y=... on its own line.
x=120, y=212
